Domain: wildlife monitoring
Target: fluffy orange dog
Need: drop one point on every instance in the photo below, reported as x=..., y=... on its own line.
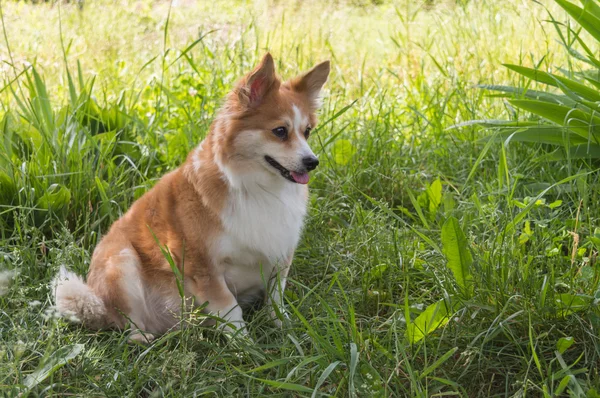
x=231, y=217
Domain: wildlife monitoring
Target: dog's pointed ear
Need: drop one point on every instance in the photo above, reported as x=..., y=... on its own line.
x=257, y=84
x=312, y=82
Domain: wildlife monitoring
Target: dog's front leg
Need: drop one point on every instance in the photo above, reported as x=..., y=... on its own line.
x=220, y=302
x=275, y=291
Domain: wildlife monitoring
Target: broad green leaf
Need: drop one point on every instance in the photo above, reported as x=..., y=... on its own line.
x=557, y=81
x=590, y=75
x=564, y=382
x=534, y=74
x=587, y=273
x=591, y=54
x=54, y=362
x=570, y=303
x=543, y=134
x=594, y=107
x=8, y=189
x=592, y=393
x=56, y=198
x=41, y=100
x=376, y=273
x=575, y=119
x=494, y=123
x=584, y=151
x=595, y=82
x=527, y=228
x=342, y=151
x=458, y=255
x=449, y=202
x=531, y=94
x=564, y=343
x=436, y=315
x=586, y=19
x=592, y=7
x=526, y=234
x=434, y=194
x=417, y=205
x=555, y=204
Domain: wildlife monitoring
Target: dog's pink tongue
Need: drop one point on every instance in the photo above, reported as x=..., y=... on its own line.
x=300, y=178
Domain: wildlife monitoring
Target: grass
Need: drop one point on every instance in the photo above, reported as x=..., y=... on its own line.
x=407, y=217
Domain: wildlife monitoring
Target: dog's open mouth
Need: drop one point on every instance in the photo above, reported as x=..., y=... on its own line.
x=293, y=176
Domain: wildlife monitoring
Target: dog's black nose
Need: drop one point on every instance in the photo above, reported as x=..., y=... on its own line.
x=310, y=162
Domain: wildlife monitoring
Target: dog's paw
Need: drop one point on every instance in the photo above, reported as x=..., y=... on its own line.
x=138, y=337
x=281, y=319
x=234, y=329
x=237, y=336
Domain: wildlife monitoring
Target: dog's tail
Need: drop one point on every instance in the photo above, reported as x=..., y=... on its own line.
x=73, y=298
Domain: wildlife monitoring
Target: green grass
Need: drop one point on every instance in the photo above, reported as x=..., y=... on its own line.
x=97, y=104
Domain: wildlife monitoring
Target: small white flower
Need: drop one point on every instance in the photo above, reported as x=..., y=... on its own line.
x=19, y=348
x=50, y=313
x=5, y=280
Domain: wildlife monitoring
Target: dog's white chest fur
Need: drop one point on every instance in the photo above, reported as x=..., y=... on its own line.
x=262, y=228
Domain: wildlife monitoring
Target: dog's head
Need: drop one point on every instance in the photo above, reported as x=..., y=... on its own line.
x=265, y=125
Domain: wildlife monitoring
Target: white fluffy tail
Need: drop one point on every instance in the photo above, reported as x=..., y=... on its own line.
x=74, y=298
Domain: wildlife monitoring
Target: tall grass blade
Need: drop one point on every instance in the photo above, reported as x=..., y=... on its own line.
x=54, y=362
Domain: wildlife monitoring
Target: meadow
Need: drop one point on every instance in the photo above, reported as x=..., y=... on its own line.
x=435, y=261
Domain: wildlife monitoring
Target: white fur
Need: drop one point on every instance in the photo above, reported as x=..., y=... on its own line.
x=264, y=213
x=262, y=229
x=300, y=125
x=133, y=289
x=74, y=298
x=150, y=310
x=300, y=120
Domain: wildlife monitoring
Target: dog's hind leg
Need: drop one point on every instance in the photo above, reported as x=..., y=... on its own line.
x=134, y=303
x=115, y=276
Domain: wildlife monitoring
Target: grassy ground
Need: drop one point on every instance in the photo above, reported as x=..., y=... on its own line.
x=97, y=104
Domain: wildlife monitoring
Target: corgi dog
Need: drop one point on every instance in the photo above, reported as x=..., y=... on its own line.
x=229, y=218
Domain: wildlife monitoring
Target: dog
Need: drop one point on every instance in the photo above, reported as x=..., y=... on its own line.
x=219, y=230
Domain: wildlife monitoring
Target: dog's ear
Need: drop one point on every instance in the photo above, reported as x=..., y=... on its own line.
x=312, y=82
x=256, y=85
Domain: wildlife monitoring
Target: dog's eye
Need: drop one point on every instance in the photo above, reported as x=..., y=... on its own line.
x=280, y=132
x=307, y=132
